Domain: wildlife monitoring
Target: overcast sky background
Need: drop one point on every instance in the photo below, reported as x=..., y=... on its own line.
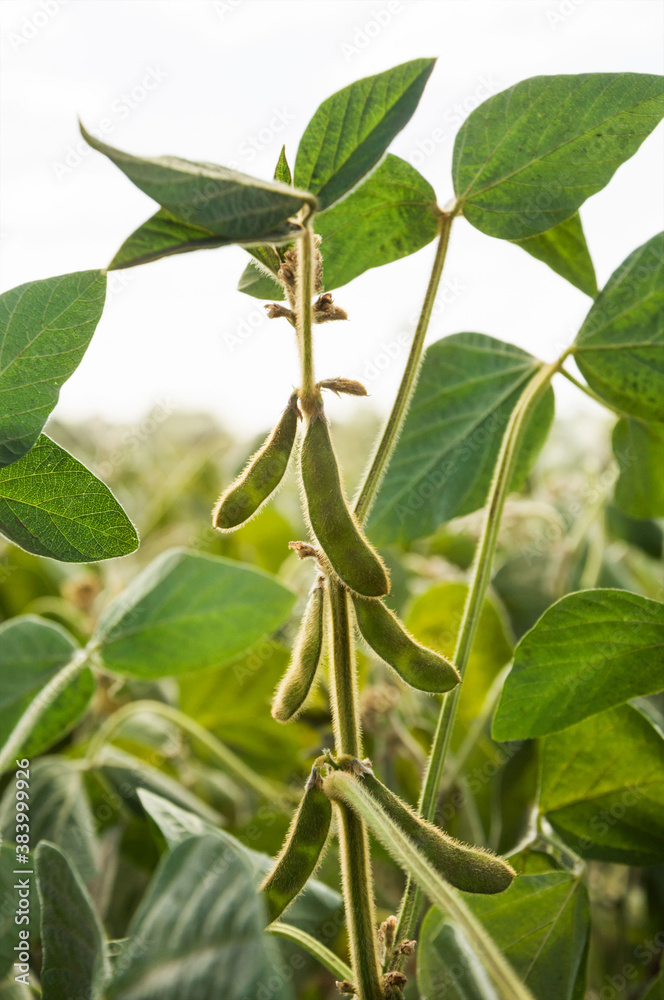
x=198, y=80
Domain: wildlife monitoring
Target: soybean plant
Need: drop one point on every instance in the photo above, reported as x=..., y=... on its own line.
x=460, y=439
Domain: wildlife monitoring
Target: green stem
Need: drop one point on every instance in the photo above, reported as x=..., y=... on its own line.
x=591, y=393
x=231, y=763
x=480, y=578
x=475, y=730
x=304, y=292
x=392, y=428
x=41, y=703
x=327, y=958
x=345, y=712
x=343, y=786
x=353, y=840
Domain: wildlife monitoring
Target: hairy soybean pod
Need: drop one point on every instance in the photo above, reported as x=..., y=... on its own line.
x=302, y=849
x=351, y=556
x=472, y=869
x=296, y=682
x=261, y=476
x=416, y=665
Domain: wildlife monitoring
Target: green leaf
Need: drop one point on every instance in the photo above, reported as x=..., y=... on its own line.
x=242, y=718
x=443, y=463
x=59, y=812
x=391, y=215
x=176, y=824
x=447, y=966
x=352, y=129
x=74, y=949
x=588, y=652
x=655, y=990
x=189, y=612
x=223, y=201
x=317, y=901
x=639, y=452
x=646, y=535
x=540, y=923
x=565, y=250
x=256, y=282
x=620, y=347
x=527, y=158
x=602, y=787
x=32, y=651
x=131, y=775
x=218, y=949
x=11, y=990
x=45, y=329
x=164, y=235
x=434, y=619
x=53, y=506
x=282, y=172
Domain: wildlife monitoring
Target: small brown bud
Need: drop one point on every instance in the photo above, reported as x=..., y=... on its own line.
x=304, y=550
x=407, y=947
x=345, y=987
x=325, y=310
x=396, y=979
x=346, y=385
x=275, y=311
x=388, y=928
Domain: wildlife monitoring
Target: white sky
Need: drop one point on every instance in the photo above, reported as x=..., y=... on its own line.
x=220, y=72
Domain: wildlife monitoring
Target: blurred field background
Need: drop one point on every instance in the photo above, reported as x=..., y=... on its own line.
x=562, y=533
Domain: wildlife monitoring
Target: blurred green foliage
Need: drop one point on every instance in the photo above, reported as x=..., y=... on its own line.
x=560, y=533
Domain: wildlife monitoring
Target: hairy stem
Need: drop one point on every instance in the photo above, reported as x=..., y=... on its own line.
x=353, y=841
x=304, y=291
x=345, y=712
x=40, y=704
x=480, y=578
x=406, y=852
x=231, y=763
x=392, y=429
x=327, y=958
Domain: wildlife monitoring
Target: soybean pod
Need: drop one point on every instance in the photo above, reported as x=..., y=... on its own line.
x=418, y=666
x=472, y=869
x=351, y=556
x=296, y=683
x=261, y=476
x=302, y=850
